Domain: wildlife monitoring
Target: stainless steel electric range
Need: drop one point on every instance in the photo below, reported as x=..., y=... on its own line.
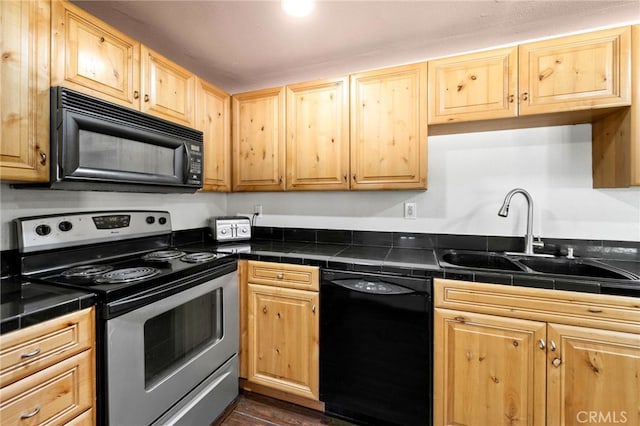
x=167, y=318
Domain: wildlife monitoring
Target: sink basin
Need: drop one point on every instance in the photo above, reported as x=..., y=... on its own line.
x=577, y=267
x=481, y=260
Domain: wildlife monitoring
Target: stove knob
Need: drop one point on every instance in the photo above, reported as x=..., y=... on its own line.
x=65, y=226
x=223, y=231
x=43, y=230
x=162, y=220
x=150, y=220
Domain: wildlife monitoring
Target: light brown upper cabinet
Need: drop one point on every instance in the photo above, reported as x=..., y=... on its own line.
x=24, y=104
x=577, y=72
x=92, y=57
x=477, y=86
x=616, y=137
x=213, y=109
x=258, y=140
x=389, y=128
x=317, y=132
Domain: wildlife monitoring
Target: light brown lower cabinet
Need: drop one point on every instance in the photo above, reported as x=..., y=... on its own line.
x=520, y=356
x=280, y=331
x=47, y=372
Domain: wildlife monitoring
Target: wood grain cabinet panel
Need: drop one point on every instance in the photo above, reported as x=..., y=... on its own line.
x=577, y=72
x=48, y=372
x=592, y=374
x=24, y=83
x=489, y=370
x=477, y=86
x=92, y=57
x=586, y=349
x=283, y=339
x=168, y=90
x=389, y=128
x=317, y=129
x=258, y=140
x=213, y=110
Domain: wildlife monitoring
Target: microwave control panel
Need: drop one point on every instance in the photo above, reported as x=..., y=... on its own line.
x=194, y=175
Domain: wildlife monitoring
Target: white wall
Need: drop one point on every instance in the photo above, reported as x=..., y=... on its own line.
x=187, y=210
x=468, y=177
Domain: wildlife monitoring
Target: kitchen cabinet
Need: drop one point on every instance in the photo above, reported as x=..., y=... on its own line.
x=282, y=331
x=213, y=109
x=478, y=86
x=24, y=104
x=563, y=74
x=94, y=58
x=583, y=71
x=258, y=140
x=389, y=128
x=616, y=137
x=48, y=372
x=567, y=355
x=317, y=132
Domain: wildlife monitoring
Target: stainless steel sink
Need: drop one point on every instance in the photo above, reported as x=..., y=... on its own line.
x=532, y=264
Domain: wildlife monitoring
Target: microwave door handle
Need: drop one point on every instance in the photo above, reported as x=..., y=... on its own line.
x=187, y=164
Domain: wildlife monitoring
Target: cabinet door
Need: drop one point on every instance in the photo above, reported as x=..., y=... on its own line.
x=478, y=86
x=214, y=120
x=24, y=83
x=92, y=57
x=168, y=89
x=318, y=135
x=489, y=370
x=577, y=72
x=258, y=140
x=283, y=339
x=389, y=128
x=593, y=376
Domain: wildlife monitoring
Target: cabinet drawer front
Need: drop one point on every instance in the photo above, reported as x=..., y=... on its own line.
x=592, y=310
x=284, y=275
x=52, y=396
x=26, y=351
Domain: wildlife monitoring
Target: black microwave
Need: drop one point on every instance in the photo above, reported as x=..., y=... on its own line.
x=100, y=146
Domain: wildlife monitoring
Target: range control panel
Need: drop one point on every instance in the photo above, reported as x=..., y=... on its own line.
x=66, y=230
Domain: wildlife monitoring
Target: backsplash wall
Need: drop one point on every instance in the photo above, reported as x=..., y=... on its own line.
x=469, y=175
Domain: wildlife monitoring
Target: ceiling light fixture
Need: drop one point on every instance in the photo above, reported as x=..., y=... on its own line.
x=297, y=7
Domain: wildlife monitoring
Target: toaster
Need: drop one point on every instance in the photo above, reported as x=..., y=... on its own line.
x=230, y=228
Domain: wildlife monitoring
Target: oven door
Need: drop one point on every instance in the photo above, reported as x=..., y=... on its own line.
x=160, y=352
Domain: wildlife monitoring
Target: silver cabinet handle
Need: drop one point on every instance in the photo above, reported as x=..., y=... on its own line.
x=313, y=309
x=31, y=414
x=34, y=352
x=541, y=344
x=553, y=346
x=280, y=276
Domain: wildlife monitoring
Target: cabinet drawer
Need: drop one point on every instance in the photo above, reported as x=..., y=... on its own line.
x=605, y=312
x=53, y=396
x=31, y=349
x=284, y=275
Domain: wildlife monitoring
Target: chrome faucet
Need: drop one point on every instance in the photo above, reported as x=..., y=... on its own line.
x=504, y=211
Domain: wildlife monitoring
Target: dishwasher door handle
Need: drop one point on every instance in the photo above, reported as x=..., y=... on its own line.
x=372, y=287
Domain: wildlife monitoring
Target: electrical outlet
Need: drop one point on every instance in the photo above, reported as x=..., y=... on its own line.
x=257, y=209
x=410, y=211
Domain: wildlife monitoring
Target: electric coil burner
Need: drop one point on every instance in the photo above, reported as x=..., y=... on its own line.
x=127, y=275
x=166, y=317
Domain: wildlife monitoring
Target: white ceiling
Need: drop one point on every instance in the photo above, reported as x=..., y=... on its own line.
x=246, y=45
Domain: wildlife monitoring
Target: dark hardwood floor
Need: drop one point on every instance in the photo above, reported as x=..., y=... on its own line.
x=256, y=410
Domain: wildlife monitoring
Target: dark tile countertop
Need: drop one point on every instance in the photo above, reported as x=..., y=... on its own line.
x=420, y=262
x=24, y=303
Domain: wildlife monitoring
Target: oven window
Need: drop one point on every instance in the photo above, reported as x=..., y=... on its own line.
x=98, y=151
x=174, y=336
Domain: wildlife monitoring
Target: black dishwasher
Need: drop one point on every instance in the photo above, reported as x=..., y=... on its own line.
x=376, y=340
